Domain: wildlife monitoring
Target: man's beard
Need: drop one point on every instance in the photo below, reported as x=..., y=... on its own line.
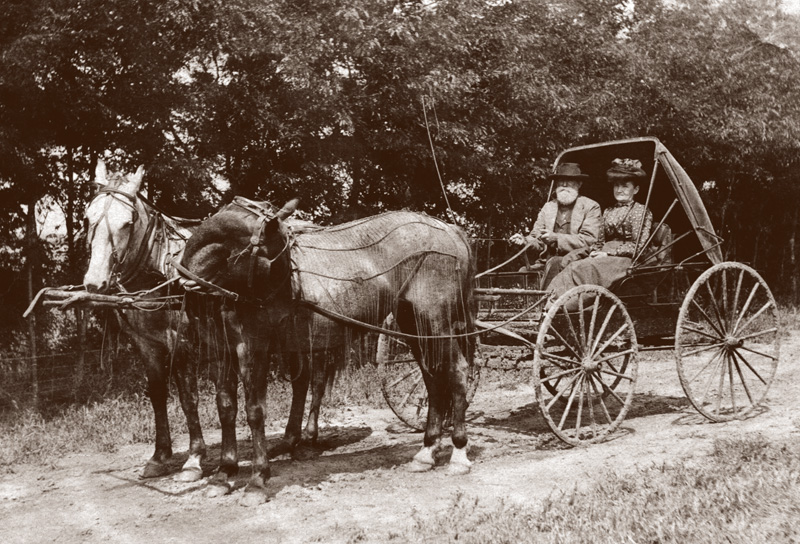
x=566, y=196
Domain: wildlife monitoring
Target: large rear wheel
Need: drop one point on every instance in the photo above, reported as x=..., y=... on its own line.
x=727, y=341
x=401, y=378
x=585, y=364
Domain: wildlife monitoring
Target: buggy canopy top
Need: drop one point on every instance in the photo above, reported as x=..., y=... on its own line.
x=669, y=192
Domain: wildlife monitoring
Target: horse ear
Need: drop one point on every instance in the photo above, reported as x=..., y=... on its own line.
x=100, y=173
x=288, y=209
x=136, y=179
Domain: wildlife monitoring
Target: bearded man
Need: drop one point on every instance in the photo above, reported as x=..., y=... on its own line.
x=567, y=228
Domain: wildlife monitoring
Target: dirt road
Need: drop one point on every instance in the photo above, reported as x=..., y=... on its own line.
x=356, y=489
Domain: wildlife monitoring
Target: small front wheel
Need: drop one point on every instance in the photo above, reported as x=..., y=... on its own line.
x=402, y=382
x=585, y=364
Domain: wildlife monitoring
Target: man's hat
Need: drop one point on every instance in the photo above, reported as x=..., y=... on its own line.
x=569, y=171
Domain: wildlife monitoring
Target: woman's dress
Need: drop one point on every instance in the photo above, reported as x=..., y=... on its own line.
x=620, y=231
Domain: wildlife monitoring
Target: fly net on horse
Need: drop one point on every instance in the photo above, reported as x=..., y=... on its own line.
x=368, y=268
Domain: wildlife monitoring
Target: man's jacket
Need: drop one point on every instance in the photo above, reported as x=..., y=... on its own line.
x=586, y=225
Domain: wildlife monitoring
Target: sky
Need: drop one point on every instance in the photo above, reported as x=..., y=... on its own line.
x=791, y=6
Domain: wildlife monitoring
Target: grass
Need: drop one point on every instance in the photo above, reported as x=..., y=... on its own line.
x=127, y=418
x=747, y=490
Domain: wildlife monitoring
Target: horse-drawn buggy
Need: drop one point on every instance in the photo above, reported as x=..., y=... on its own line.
x=411, y=280
x=719, y=319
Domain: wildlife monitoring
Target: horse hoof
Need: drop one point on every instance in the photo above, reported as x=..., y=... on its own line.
x=416, y=466
x=457, y=469
x=188, y=475
x=253, y=498
x=154, y=469
x=218, y=489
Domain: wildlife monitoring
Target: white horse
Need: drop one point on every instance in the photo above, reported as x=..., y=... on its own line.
x=132, y=247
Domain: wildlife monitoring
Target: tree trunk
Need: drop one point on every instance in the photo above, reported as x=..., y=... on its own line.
x=30, y=238
x=793, y=258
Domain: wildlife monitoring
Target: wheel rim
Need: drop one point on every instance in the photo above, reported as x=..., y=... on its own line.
x=585, y=364
x=402, y=382
x=727, y=341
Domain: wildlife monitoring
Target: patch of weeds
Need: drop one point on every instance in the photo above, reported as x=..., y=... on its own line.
x=746, y=490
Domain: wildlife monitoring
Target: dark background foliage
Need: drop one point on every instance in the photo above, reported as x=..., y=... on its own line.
x=353, y=104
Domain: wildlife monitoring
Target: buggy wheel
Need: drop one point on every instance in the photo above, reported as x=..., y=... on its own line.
x=402, y=383
x=585, y=364
x=727, y=341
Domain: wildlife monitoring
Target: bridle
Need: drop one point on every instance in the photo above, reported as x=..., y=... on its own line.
x=123, y=267
x=251, y=252
x=252, y=249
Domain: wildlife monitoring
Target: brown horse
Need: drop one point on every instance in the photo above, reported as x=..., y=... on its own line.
x=410, y=265
x=132, y=245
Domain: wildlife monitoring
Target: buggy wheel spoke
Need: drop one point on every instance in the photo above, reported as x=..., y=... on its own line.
x=746, y=306
x=748, y=365
x=602, y=329
x=755, y=316
x=551, y=377
x=759, y=353
x=741, y=378
x=721, y=387
x=568, y=319
x=565, y=343
x=580, y=408
x=565, y=362
x=571, y=398
x=705, y=347
x=692, y=327
x=405, y=376
x=615, y=355
x=593, y=321
x=715, y=306
x=708, y=319
x=610, y=340
x=601, y=401
x=758, y=334
x=410, y=391
x=711, y=362
x=560, y=393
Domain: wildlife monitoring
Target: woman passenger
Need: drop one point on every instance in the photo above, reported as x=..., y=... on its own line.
x=621, y=223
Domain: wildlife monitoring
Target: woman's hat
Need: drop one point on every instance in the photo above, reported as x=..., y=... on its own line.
x=569, y=171
x=626, y=170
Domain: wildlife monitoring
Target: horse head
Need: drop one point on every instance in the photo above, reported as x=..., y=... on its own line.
x=240, y=251
x=112, y=220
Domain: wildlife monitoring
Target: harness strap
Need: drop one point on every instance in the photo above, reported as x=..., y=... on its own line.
x=255, y=241
x=148, y=241
x=185, y=272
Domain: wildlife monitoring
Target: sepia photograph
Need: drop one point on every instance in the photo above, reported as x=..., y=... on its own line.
x=400, y=271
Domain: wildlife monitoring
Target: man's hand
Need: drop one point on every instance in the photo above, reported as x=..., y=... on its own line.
x=598, y=254
x=549, y=238
x=517, y=239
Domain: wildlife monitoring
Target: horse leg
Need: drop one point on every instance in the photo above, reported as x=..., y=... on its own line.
x=227, y=407
x=425, y=355
x=299, y=373
x=256, y=399
x=425, y=459
x=321, y=376
x=157, y=390
x=186, y=377
x=457, y=369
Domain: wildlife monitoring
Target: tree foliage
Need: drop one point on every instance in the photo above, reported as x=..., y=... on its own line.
x=360, y=106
